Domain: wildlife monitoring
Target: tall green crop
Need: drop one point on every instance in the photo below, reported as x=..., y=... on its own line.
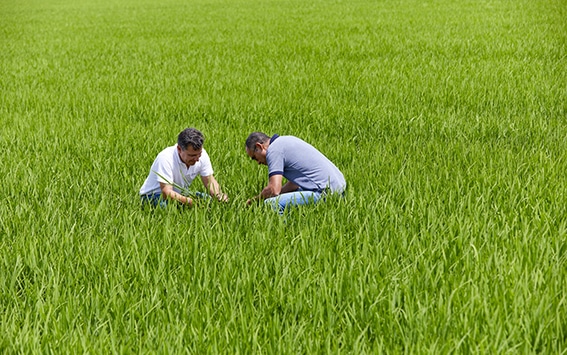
x=446, y=118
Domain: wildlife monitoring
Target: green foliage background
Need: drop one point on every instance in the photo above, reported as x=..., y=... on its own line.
x=447, y=119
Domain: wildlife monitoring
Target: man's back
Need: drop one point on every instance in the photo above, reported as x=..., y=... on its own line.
x=300, y=162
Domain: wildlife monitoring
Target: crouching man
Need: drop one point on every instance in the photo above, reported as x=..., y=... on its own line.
x=176, y=167
x=310, y=174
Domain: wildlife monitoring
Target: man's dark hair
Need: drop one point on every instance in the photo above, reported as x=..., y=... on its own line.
x=256, y=137
x=190, y=137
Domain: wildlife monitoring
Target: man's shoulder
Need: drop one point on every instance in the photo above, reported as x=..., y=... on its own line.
x=284, y=142
x=167, y=151
x=167, y=154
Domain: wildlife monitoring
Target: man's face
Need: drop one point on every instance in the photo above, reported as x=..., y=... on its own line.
x=258, y=154
x=189, y=156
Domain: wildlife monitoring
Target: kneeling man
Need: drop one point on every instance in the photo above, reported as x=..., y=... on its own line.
x=174, y=169
x=310, y=174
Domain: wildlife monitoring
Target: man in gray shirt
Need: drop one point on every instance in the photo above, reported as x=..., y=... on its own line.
x=310, y=174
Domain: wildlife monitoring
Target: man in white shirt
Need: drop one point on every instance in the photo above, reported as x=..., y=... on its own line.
x=176, y=167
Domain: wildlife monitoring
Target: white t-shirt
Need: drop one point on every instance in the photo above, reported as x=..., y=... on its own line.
x=169, y=166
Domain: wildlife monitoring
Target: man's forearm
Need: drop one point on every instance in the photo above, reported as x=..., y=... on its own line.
x=214, y=190
x=179, y=198
x=289, y=187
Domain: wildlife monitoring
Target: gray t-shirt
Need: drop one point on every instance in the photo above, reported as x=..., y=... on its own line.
x=301, y=163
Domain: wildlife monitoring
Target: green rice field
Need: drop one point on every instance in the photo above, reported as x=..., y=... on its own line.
x=447, y=118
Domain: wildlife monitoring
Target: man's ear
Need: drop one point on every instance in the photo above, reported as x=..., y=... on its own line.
x=259, y=146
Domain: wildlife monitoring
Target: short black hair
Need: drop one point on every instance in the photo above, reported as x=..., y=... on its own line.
x=256, y=137
x=190, y=137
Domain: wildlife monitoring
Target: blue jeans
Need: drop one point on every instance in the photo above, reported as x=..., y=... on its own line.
x=156, y=200
x=296, y=198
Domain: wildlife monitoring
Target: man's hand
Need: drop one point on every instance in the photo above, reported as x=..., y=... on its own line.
x=250, y=201
x=222, y=197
